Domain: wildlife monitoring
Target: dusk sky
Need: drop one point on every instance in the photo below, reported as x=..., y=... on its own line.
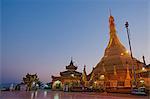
x=41, y=36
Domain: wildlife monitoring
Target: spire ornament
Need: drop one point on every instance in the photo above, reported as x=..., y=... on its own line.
x=114, y=42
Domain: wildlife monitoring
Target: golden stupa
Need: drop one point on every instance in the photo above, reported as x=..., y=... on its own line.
x=116, y=66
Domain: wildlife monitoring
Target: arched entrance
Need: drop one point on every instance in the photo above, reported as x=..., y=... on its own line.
x=57, y=85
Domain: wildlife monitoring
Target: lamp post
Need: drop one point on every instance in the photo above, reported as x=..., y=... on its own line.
x=127, y=25
x=133, y=69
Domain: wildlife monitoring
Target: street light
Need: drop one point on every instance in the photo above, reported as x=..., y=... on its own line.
x=133, y=69
x=127, y=25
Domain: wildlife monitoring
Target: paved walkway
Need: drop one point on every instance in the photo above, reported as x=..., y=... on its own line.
x=65, y=95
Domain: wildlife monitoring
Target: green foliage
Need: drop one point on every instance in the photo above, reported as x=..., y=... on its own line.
x=31, y=81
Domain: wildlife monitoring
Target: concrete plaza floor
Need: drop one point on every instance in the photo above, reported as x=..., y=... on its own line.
x=66, y=95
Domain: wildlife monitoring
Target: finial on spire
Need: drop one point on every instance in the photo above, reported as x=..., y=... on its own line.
x=144, y=60
x=110, y=11
x=84, y=66
x=84, y=69
x=71, y=63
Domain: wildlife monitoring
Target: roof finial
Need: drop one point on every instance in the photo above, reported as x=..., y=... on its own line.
x=71, y=63
x=110, y=11
x=144, y=60
x=71, y=58
x=84, y=66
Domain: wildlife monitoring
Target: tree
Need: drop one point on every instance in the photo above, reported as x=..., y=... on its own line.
x=31, y=81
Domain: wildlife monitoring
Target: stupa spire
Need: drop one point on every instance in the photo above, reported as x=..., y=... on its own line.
x=110, y=11
x=128, y=73
x=114, y=45
x=113, y=36
x=84, y=75
x=71, y=66
x=128, y=77
x=71, y=62
x=84, y=70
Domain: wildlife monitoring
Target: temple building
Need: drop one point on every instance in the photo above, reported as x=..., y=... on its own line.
x=67, y=79
x=116, y=68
